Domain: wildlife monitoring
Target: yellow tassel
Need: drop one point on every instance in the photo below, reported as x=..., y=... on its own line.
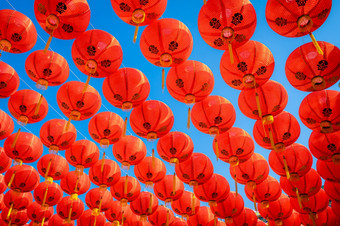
x=217, y=149
x=316, y=44
x=254, y=200
x=10, y=211
x=16, y=138
x=313, y=217
x=267, y=221
x=48, y=43
x=153, y=159
x=298, y=197
x=271, y=139
x=231, y=55
x=286, y=167
x=100, y=204
x=95, y=221
x=122, y=218
x=43, y=221
x=215, y=220
x=135, y=34
x=45, y=196
x=204, y=2
x=193, y=200
x=48, y=168
x=70, y=213
x=103, y=161
x=236, y=190
x=189, y=117
x=37, y=108
x=258, y=105
x=174, y=185
x=163, y=78
x=86, y=84
x=68, y=124
x=126, y=184
x=150, y=204
x=11, y=180
x=76, y=186
x=125, y=125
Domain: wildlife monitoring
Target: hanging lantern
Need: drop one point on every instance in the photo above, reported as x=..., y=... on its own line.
x=169, y=189
x=5, y=162
x=18, y=32
x=246, y=217
x=277, y=132
x=328, y=170
x=227, y=25
x=129, y=150
x=89, y=218
x=106, y=128
x=336, y=207
x=332, y=189
x=126, y=88
x=75, y=183
x=55, y=220
x=297, y=18
x=162, y=216
x=53, y=191
x=196, y=170
x=62, y=19
x=70, y=208
x=179, y=222
x=263, y=102
x=293, y=219
x=3, y=186
x=326, y=217
x=277, y=210
x=320, y=111
x=127, y=189
x=47, y=69
x=17, y=200
x=325, y=146
x=145, y=205
x=9, y=80
x=20, y=218
x=214, y=115
x=39, y=214
x=306, y=70
x=105, y=173
x=153, y=119
x=98, y=198
x=53, y=134
x=234, y=146
x=150, y=170
x=22, y=178
x=315, y=204
x=187, y=205
x=203, y=217
x=82, y=154
x=28, y=106
x=117, y=214
x=54, y=166
x=175, y=147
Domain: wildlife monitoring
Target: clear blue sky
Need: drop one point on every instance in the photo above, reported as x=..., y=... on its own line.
x=103, y=17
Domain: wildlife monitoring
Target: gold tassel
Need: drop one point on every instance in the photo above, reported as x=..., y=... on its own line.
x=48, y=168
x=68, y=124
x=70, y=213
x=163, y=78
x=37, y=108
x=11, y=180
x=167, y=218
x=193, y=203
x=271, y=138
x=43, y=221
x=254, y=200
x=10, y=211
x=125, y=125
x=215, y=220
x=95, y=221
x=217, y=149
x=236, y=190
x=286, y=167
x=231, y=55
x=189, y=117
x=86, y=84
x=135, y=34
x=16, y=138
x=258, y=105
x=126, y=185
x=316, y=44
x=174, y=185
x=76, y=186
x=45, y=196
x=48, y=43
x=153, y=159
x=103, y=161
x=204, y=2
x=298, y=197
x=150, y=204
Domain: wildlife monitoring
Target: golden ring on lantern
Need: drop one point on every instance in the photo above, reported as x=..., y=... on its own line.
x=138, y=16
x=248, y=81
x=305, y=23
x=318, y=83
x=5, y=45
x=228, y=34
x=52, y=22
x=165, y=60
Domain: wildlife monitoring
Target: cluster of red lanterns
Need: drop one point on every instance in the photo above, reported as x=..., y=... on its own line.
x=246, y=65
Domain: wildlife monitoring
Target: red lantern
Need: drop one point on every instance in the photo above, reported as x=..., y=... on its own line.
x=106, y=128
x=78, y=101
x=17, y=200
x=22, y=178
x=267, y=191
x=263, y=102
x=90, y=218
x=126, y=88
x=306, y=70
x=52, y=165
x=162, y=216
x=99, y=198
x=277, y=132
x=169, y=189
x=145, y=205
x=190, y=82
x=251, y=172
x=53, y=134
x=150, y=170
x=127, y=189
x=328, y=170
x=106, y=172
x=19, y=218
x=336, y=208
x=23, y=147
x=28, y=106
x=196, y=170
x=55, y=220
x=166, y=42
x=138, y=13
x=129, y=150
x=75, y=183
x=315, y=204
x=203, y=217
x=333, y=190
x=38, y=213
x=214, y=190
x=227, y=24
x=48, y=193
x=213, y=115
x=293, y=219
x=246, y=217
x=18, y=32
x=3, y=186
x=70, y=208
x=9, y=80
x=118, y=214
x=320, y=111
x=325, y=146
x=175, y=147
x=187, y=205
x=307, y=185
x=234, y=146
x=2, y=204
x=254, y=66
x=179, y=222
x=97, y=53
x=6, y=162
x=297, y=18
x=277, y=210
x=152, y=119
x=62, y=19
x=326, y=217
x=47, y=69
x=82, y=154
x=230, y=207
x=294, y=162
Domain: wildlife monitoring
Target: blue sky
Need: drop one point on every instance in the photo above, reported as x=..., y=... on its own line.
x=103, y=17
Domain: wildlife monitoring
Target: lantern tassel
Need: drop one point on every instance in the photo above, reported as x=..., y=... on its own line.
x=254, y=201
x=10, y=211
x=45, y=196
x=231, y=55
x=316, y=44
x=68, y=124
x=193, y=200
x=37, y=108
x=70, y=213
x=103, y=161
x=271, y=139
x=259, y=110
x=189, y=117
x=286, y=167
x=11, y=180
x=16, y=138
x=48, y=43
x=174, y=185
x=298, y=197
x=163, y=78
x=236, y=190
x=86, y=84
x=167, y=218
x=76, y=186
x=125, y=125
x=43, y=221
x=150, y=204
x=126, y=185
x=217, y=149
x=204, y=2
x=135, y=34
x=48, y=168
x=215, y=220
x=153, y=159
x=95, y=221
